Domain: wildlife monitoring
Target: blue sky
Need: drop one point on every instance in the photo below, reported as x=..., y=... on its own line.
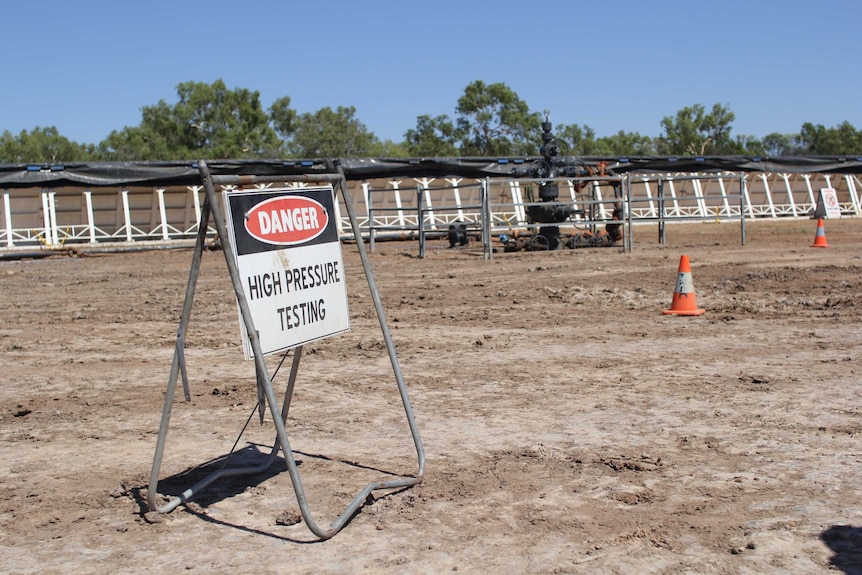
x=88, y=67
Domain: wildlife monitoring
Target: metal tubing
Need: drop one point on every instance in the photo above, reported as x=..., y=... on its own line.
x=628, y=241
x=387, y=337
x=7, y=216
x=420, y=211
x=127, y=217
x=661, y=234
x=210, y=204
x=91, y=222
x=178, y=359
x=260, y=364
x=180, y=352
x=390, y=346
x=291, y=380
x=46, y=218
x=487, y=250
x=742, y=195
x=263, y=378
x=370, y=223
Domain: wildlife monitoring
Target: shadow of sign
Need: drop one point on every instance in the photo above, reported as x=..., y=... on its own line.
x=250, y=456
x=227, y=487
x=845, y=542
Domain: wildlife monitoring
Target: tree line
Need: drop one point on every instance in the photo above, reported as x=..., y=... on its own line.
x=214, y=122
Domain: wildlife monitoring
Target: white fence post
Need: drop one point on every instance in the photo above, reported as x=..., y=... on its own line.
x=7, y=212
x=163, y=216
x=854, y=193
x=395, y=188
x=46, y=218
x=127, y=216
x=457, y=194
x=91, y=220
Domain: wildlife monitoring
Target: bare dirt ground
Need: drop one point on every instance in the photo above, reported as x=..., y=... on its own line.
x=569, y=426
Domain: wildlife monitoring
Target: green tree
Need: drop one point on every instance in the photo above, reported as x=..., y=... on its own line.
x=158, y=137
x=626, y=144
x=283, y=120
x=134, y=143
x=576, y=140
x=41, y=145
x=695, y=132
x=331, y=133
x=747, y=145
x=494, y=121
x=388, y=149
x=776, y=144
x=224, y=123
x=432, y=137
x=209, y=120
x=819, y=140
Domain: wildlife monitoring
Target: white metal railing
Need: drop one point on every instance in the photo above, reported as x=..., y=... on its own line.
x=60, y=217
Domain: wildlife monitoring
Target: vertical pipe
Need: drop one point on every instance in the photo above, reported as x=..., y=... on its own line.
x=387, y=336
x=768, y=193
x=724, y=196
x=661, y=236
x=365, y=186
x=178, y=359
x=365, y=193
x=7, y=212
x=395, y=188
x=52, y=204
x=652, y=208
x=854, y=195
x=518, y=203
x=676, y=210
x=628, y=241
x=426, y=184
x=420, y=214
x=457, y=193
x=46, y=218
x=810, y=191
x=699, y=197
x=789, y=190
x=370, y=222
x=163, y=216
x=743, y=195
x=486, y=219
x=261, y=369
x=602, y=210
x=196, y=201
x=127, y=216
x=747, y=196
x=91, y=220
x=337, y=208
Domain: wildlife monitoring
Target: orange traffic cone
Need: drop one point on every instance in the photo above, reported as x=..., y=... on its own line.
x=684, y=301
x=820, y=236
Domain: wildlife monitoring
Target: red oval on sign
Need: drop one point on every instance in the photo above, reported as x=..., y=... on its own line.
x=286, y=220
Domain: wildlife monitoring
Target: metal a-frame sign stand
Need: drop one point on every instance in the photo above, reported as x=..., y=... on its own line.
x=212, y=208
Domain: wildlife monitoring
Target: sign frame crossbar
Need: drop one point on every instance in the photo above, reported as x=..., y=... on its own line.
x=212, y=209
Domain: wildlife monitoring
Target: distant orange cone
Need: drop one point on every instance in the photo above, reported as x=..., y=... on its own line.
x=684, y=301
x=820, y=236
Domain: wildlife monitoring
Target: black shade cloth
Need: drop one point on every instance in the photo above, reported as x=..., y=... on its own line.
x=113, y=174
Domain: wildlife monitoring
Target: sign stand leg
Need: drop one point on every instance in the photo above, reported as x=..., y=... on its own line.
x=264, y=381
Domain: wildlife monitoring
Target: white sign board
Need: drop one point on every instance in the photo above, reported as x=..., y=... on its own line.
x=828, y=203
x=289, y=259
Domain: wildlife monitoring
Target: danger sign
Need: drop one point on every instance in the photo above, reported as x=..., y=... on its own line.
x=289, y=259
x=286, y=220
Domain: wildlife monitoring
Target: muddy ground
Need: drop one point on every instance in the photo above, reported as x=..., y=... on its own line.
x=569, y=426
